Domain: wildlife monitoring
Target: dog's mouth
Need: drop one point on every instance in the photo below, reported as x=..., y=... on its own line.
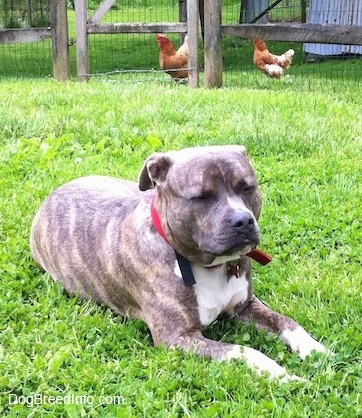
x=240, y=248
x=212, y=258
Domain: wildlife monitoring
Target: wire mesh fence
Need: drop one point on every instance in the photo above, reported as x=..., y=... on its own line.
x=32, y=59
x=141, y=11
x=24, y=14
x=134, y=57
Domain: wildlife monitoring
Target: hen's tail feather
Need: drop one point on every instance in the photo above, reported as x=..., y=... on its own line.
x=184, y=48
x=285, y=60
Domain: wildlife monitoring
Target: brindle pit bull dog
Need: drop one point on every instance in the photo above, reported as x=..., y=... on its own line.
x=124, y=245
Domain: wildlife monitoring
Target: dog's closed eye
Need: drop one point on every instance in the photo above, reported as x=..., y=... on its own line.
x=205, y=195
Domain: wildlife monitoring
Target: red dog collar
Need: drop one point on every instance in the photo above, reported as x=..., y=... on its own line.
x=183, y=262
x=156, y=220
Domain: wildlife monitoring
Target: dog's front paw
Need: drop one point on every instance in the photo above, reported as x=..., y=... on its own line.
x=302, y=343
x=262, y=363
x=313, y=346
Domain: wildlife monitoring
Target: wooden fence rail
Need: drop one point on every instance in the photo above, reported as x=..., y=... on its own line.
x=107, y=28
x=298, y=32
x=18, y=36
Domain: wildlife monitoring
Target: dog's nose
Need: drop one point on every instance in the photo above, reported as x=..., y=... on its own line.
x=242, y=221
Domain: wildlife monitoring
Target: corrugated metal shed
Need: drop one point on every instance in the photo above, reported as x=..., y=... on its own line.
x=339, y=12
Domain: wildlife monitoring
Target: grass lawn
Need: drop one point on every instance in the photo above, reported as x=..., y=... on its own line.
x=306, y=148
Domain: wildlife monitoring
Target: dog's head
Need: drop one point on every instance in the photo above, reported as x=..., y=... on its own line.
x=208, y=200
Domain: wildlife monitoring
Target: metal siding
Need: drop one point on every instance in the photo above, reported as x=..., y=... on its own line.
x=334, y=12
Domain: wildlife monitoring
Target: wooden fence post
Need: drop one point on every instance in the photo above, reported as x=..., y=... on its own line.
x=60, y=40
x=213, y=44
x=82, y=40
x=193, y=41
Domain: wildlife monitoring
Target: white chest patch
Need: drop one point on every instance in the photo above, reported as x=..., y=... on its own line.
x=215, y=293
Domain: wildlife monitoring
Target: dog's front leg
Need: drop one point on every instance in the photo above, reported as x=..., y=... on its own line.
x=295, y=336
x=195, y=342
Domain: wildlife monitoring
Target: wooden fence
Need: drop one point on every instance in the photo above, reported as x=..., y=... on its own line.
x=208, y=10
x=210, y=13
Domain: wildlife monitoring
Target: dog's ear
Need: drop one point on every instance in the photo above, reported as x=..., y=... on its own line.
x=243, y=150
x=239, y=148
x=154, y=171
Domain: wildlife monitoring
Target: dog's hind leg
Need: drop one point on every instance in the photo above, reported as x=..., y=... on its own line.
x=295, y=336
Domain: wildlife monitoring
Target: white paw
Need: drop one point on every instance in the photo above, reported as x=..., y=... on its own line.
x=261, y=363
x=302, y=343
x=307, y=350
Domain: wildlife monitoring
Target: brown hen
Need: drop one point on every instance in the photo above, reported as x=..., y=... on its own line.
x=175, y=63
x=270, y=64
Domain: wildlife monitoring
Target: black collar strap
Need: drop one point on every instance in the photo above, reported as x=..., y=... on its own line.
x=186, y=270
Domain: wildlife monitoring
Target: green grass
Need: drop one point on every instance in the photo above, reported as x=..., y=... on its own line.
x=306, y=148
